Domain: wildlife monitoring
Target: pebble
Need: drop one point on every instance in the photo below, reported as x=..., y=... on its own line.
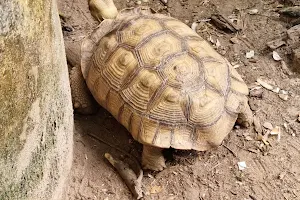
x=256, y=93
x=284, y=97
x=254, y=105
x=164, y=1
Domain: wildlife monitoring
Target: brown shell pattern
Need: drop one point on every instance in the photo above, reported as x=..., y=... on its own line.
x=165, y=84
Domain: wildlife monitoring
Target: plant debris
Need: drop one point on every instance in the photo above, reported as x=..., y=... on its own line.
x=133, y=182
x=223, y=23
x=268, y=86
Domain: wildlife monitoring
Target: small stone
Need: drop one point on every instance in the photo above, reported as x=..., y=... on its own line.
x=284, y=97
x=257, y=125
x=165, y=2
x=256, y=93
x=138, y=2
x=235, y=40
x=274, y=44
x=250, y=54
x=285, y=69
x=276, y=56
x=242, y=165
x=254, y=105
x=253, y=11
x=248, y=138
x=294, y=33
x=281, y=175
x=293, y=112
x=296, y=59
x=268, y=125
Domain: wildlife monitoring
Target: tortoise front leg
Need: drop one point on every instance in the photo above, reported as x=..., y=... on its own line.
x=153, y=158
x=82, y=99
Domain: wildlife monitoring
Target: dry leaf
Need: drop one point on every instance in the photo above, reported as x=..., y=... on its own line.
x=155, y=189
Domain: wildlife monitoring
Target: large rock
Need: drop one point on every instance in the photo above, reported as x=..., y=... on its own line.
x=36, y=118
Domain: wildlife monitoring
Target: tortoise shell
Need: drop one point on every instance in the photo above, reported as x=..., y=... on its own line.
x=162, y=81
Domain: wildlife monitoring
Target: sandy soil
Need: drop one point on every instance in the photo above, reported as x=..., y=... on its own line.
x=272, y=170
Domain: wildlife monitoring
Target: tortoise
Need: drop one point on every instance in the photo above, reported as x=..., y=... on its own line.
x=160, y=80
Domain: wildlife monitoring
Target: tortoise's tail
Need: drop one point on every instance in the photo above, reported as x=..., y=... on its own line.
x=103, y=9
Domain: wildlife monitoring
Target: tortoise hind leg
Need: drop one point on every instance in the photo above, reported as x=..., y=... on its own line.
x=105, y=9
x=245, y=117
x=153, y=158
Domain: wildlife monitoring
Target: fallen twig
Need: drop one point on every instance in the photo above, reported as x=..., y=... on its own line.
x=223, y=23
x=132, y=178
x=133, y=182
x=230, y=150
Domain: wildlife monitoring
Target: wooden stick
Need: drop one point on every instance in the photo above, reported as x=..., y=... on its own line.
x=133, y=182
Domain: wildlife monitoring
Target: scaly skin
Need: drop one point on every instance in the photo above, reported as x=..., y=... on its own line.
x=105, y=9
x=153, y=158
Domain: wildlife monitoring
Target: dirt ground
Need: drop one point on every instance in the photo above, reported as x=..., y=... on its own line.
x=273, y=169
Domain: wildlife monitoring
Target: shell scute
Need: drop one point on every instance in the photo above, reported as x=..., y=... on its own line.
x=154, y=50
x=136, y=30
